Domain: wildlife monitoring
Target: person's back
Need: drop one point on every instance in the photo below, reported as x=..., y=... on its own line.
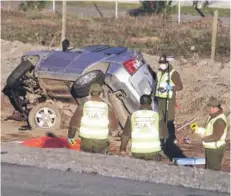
x=143, y=128
x=94, y=120
x=145, y=134
x=94, y=128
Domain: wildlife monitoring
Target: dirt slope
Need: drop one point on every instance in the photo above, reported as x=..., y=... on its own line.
x=201, y=78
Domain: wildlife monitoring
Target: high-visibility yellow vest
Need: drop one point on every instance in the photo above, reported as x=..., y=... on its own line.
x=162, y=82
x=94, y=123
x=145, y=132
x=209, y=131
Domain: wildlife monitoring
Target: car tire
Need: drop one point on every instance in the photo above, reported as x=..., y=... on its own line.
x=37, y=117
x=18, y=72
x=80, y=91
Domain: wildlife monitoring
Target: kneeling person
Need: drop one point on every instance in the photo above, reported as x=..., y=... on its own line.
x=143, y=128
x=93, y=120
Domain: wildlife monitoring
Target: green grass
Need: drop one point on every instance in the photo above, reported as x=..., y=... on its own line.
x=189, y=10
x=207, y=11
x=100, y=4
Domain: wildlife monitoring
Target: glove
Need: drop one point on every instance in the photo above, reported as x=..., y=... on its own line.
x=169, y=87
x=194, y=126
x=162, y=90
x=71, y=141
x=200, y=131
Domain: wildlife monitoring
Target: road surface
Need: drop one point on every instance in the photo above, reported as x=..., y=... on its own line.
x=27, y=181
x=90, y=11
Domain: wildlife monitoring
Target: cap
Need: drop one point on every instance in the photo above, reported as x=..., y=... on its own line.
x=163, y=59
x=213, y=102
x=95, y=88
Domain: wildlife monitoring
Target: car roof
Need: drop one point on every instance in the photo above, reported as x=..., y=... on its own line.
x=78, y=60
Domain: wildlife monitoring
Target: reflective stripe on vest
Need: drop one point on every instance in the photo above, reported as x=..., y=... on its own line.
x=209, y=131
x=145, y=132
x=94, y=123
x=162, y=82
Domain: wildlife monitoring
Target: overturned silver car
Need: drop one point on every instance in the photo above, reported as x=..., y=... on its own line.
x=47, y=86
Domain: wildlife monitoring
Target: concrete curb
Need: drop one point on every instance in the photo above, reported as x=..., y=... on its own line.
x=115, y=166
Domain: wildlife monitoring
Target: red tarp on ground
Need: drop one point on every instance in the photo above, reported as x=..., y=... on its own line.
x=51, y=142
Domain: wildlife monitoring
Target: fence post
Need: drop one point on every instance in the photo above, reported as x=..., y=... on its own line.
x=214, y=35
x=116, y=9
x=53, y=6
x=178, y=12
x=64, y=14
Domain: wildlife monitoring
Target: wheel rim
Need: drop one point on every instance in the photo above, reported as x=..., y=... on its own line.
x=45, y=118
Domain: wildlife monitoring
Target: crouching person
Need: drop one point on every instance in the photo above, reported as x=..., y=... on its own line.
x=143, y=128
x=93, y=121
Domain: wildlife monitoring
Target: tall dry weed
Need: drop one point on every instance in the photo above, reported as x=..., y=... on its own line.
x=153, y=35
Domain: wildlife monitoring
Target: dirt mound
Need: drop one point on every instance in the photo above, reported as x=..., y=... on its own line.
x=201, y=78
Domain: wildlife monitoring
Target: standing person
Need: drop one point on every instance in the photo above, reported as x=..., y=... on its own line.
x=143, y=128
x=93, y=120
x=214, y=134
x=168, y=83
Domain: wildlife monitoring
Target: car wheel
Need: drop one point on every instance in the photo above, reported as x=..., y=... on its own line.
x=19, y=71
x=81, y=86
x=45, y=116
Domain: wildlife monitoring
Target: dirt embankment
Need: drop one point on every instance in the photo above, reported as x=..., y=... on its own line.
x=201, y=78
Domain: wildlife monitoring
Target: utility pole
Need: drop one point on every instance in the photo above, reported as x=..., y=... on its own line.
x=53, y=6
x=178, y=12
x=116, y=9
x=64, y=16
x=214, y=35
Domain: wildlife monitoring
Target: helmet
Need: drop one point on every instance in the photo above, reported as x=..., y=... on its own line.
x=163, y=59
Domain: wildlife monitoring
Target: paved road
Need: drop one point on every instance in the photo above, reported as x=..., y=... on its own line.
x=90, y=11
x=27, y=181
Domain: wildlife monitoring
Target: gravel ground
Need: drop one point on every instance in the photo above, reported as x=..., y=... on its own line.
x=114, y=166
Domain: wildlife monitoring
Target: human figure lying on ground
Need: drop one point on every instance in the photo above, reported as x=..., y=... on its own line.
x=142, y=127
x=214, y=134
x=93, y=121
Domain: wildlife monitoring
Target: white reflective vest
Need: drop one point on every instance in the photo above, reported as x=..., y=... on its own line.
x=209, y=131
x=162, y=82
x=94, y=123
x=145, y=132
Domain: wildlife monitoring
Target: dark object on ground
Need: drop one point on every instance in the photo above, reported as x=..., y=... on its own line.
x=171, y=149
